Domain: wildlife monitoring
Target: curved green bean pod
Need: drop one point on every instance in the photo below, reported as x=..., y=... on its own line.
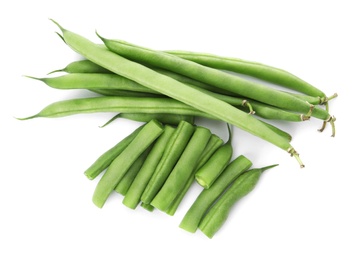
x=183, y=169
x=207, y=197
x=117, y=169
x=218, y=213
x=132, y=198
x=82, y=66
x=175, y=89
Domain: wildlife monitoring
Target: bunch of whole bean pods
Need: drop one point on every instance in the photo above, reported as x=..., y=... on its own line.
x=158, y=162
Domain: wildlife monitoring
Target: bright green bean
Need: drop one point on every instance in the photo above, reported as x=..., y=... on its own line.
x=132, y=198
x=116, y=170
x=172, y=153
x=106, y=158
x=82, y=66
x=148, y=207
x=124, y=93
x=125, y=183
x=218, y=213
x=207, y=197
x=210, y=171
x=183, y=169
x=175, y=89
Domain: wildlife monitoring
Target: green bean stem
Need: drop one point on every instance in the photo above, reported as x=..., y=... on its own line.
x=218, y=213
x=173, y=88
x=183, y=169
x=116, y=170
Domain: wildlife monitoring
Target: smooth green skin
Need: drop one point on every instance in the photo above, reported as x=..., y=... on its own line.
x=132, y=197
x=106, y=158
x=123, y=93
x=213, y=144
x=207, y=197
x=148, y=207
x=183, y=169
x=117, y=169
x=94, y=81
x=218, y=213
x=254, y=69
x=171, y=119
x=82, y=66
x=172, y=88
x=172, y=153
x=125, y=183
x=214, y=77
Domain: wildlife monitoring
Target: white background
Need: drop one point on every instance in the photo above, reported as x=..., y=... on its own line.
x=46, y=208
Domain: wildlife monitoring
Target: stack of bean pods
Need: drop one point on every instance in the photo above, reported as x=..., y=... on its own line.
x=166, y=88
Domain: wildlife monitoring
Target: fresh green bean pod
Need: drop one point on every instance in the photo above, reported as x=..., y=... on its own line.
x=210, y=171
x=82, y=66
x=254, y=69
x=172, y=153
x=207, y=197
x=132, y=198
x=175, y=89
x=125, y=183
x=183, y=169
x=106, y=158
x=117, y=169
x=124, y=93
x=218, y=213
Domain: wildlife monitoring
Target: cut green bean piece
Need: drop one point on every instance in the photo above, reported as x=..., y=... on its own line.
x=106, y=158
x=219, y=212
x=125, y=183
x=183, y=169
x=207, y=197
x=172, y=153
x=210, y=171
x=132, y=197
x=115, y=172
x=148, y=207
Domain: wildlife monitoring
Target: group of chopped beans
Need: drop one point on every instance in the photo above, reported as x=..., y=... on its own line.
x=157, y=163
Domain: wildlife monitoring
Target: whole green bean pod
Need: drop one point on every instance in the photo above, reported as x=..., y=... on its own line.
x=207, y=197
x=183, y=169
x=117, y=169
x=218, y=213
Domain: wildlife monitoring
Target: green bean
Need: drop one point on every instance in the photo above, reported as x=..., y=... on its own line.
x=183, y=169
x=171, y=119
x=93, y=81
x=175, y=89
x=210, y=171
x=218, y=213
x=254, y=69
x=280, y=132
x=214, y=77
x=172, y=153
x=116, y=170
x=82, y=66
x=106, y=158
x=148, y=207
x=124, y=93
x=132, y=198
x=125, y=183
x=213, y=144
x=207, y=197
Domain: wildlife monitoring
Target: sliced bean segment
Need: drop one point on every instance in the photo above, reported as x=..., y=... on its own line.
x=132, y=198
x=183, y=169
x=172, y=153
x=207, y=197
x=115, y=172
x=218, y=213
x=106, y=158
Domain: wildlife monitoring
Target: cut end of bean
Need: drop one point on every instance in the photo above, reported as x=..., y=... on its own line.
x=294, y=153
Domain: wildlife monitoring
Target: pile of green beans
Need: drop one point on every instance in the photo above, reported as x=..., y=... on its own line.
x=156, y=164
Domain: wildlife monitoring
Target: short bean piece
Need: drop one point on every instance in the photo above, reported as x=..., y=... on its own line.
x=183, y=169
x=218, y=213
x=207, y=197
x=115, y=172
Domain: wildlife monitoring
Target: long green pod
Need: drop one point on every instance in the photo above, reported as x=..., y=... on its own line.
x=214, y=77
x=218, y=213
x=207, y=197
x=254, y=69
x=174, y=89
x=123, y=93
x=172, y=153
x=183, y=169
x=107, y=157
x=117, y=169
x=132, y=198
x=82, y=66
